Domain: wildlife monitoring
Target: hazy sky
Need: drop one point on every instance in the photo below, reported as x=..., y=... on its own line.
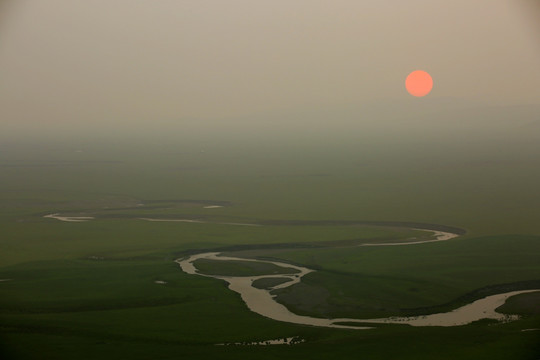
x=134, y=62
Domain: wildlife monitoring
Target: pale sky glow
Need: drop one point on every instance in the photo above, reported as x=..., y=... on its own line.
x=117, y=62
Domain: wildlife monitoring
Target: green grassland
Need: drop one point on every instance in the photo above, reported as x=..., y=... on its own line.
x=88, y=290
x=239, y=268
x=524, y=304
x=33, y=238
x=267, y=283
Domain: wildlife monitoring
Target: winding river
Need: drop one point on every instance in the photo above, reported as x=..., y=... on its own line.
x=262, y=302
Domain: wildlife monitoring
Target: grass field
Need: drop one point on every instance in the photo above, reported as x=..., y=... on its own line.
x=88, y=290
x=239, y=268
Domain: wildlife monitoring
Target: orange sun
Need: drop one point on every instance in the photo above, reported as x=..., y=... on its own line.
x=419, y=83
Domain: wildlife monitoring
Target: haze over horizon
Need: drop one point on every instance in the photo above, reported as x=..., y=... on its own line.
x=117, y=68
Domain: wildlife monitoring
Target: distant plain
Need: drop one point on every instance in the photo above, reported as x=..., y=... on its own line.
x=88, y=289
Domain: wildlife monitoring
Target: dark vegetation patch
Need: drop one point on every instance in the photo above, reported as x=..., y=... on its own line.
x=306, y=299
x=239, y=268
x=523, y=304
x=268, y=283
x=331, y=295
x=473, y=296
x=355, y=324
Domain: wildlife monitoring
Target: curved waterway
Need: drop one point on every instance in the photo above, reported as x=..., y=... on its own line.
x=69, y=218
x=262, y=302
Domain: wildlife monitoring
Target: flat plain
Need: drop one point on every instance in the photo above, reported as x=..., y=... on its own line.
x=108, y=287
